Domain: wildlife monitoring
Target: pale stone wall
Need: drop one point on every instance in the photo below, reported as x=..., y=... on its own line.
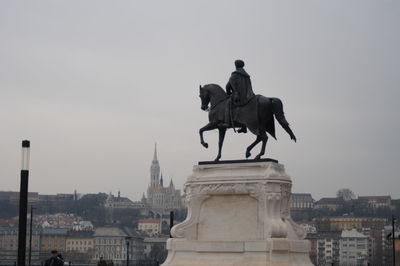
x=238, y=214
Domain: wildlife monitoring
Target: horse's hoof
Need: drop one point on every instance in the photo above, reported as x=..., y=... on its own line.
x=205, y=144
x=248, y=154
x=217, y=159
x=258, y=157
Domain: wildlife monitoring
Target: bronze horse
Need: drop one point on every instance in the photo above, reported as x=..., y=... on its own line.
x=258, y=116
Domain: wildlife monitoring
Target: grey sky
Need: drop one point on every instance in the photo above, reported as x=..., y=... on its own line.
x=93, y=84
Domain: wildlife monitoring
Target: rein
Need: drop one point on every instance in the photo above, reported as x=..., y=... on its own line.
x=220, y=101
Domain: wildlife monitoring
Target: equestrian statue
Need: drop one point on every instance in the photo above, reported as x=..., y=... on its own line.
x=240, y=108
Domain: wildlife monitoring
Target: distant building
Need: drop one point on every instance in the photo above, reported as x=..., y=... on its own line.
x=388, y=246
x=353, y=248
x=331, y=204
x=9, y=245
x=57, y=220
x=150, y=226
x=327, y=248
x=80, y=241
x=82, y=226
x=301, y=201
x=375, y=248
x=158, y=196
x=118, y=202
x=308, y=227
x=111, y=244
x=154, y=243
x=52, y=238
x=8, y=222
x=313, y=238
x=327, y=224
x=375, y=202
x=13, y=196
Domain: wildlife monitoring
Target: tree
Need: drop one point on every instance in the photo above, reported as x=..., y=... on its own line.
x=346, y=194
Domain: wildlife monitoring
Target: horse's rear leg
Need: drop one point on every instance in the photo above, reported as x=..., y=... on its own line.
x=209, y=126
x=264, y=139
x=252, y=145
x=221, y=132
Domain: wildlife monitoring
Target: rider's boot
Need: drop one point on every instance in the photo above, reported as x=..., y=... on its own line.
x=243, y=129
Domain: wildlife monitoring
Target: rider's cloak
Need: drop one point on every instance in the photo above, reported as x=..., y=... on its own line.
x=239, y=85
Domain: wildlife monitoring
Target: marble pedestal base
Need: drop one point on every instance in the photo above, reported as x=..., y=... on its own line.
x=238, y=215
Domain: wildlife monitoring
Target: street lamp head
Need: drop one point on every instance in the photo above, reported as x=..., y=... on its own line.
x=26, y=144
x=25, y=155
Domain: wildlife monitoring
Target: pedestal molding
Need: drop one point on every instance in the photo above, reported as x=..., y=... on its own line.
x=268, y=235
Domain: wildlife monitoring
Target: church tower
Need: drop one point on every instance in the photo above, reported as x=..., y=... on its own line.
x=155, y=170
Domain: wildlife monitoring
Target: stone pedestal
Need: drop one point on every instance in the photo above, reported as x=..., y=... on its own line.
x=238, y=215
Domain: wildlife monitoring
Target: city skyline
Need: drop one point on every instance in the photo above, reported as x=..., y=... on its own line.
x=93, y=85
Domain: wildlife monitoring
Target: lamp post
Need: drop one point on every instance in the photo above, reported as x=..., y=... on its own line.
x=171, y=222
x=127, y=250
x=23, y=203
x=393, y=240
x=30, y=237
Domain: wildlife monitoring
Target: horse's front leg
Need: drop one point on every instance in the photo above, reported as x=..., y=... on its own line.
x=209, y=126
x=221, y=132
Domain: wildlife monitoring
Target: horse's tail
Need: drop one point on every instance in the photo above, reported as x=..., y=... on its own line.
x=277, y=108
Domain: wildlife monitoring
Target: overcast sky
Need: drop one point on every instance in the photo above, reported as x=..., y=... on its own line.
x=94, y=84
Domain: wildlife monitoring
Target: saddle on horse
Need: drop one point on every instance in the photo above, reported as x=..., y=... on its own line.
x=245, y=116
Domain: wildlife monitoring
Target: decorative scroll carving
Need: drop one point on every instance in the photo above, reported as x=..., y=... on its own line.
x=275, y=227
x=221, y=188
x=299, y=231
x=188, y=229
x=285, y=204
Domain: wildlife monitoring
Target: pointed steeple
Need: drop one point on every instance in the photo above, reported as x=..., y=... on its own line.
x=110, y=196
x=155, y=170
x=143, y=198
x=161, y=181
x=171, y=184
x=155, y=153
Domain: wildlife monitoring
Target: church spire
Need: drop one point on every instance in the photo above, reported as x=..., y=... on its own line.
x=155, y=152
x=161, y=181
x=143, y=198
x=155, y=170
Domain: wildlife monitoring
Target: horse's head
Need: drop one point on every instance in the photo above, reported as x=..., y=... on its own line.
x=211, y=94
x=205, y=98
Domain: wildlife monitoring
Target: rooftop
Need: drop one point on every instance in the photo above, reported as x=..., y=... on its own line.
x=109, y=231
x=80, y=234
x=152, y=221
x=353, y=233
x=330, y=201
x=54, y=231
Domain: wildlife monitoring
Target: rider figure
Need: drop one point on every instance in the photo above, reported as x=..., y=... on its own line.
x=240, y=91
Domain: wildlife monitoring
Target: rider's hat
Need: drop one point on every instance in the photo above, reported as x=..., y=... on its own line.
x=239, y=63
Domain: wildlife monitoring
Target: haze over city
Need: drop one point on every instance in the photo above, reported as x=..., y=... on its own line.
x=94, y=86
